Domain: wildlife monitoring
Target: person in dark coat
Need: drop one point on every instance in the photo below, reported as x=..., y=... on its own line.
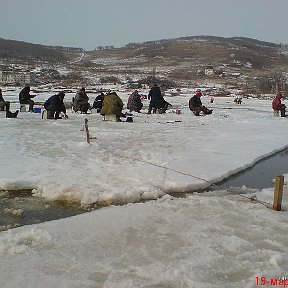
x=25, y=97
x=157, y=101
x=55, y=105
x=81, y=101
x=278, y=105
x=4, y=104
x=134, y=102
x=97, y=104
x=195, y=104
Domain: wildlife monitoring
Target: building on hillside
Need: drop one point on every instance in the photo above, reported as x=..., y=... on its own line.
x=13, y=78
x=209, y=71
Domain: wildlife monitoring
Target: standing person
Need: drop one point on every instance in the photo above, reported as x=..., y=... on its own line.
x=97, y=104
x=277, y=105
x=195, y=104
x=134, y=102
x=55, y=105
x=4, y=104
x=25, y=97
x=112, y=105
x=157, y=101
x=81, y=101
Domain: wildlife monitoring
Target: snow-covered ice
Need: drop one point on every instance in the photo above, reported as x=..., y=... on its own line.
x=211, y=239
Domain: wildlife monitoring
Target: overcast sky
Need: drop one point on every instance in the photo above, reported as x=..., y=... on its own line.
x=92, y=23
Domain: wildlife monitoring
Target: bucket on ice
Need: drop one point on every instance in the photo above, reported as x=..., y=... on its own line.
x=37, y=110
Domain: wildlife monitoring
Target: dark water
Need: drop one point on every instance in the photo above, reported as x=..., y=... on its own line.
x=261, y=175
x=18, y=208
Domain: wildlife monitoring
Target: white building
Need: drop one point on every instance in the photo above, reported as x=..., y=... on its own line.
x=16, y=78
x=209, y=70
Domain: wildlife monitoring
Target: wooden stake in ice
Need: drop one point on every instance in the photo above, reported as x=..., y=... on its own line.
x=87, y=131
x=278, y=191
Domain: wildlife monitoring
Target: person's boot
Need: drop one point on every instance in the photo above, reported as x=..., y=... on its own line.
x=57, y=115
x=149, y=110
x=209, y=111
x=50, y=114
x=10, y=114
x=283, y=113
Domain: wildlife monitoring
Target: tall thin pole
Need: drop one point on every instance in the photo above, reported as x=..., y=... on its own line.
x=87, y=131
x=278, y=191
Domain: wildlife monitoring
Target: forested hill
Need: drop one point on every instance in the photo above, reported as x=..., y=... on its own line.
x=209, y=49
x=18, y=50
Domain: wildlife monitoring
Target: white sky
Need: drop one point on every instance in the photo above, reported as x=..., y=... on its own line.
x=215, y=239
x=89, y=23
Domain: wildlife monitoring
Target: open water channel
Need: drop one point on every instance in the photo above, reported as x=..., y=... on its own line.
x=19, y=208
x=262, y=174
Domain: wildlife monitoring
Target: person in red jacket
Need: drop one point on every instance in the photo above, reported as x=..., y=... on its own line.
x=278, y=105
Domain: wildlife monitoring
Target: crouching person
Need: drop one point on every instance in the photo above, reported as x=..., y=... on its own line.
x=97, y=104
x=25, y=97
x=112, y=106
x=195, y=104
x=55, y=105
x=4, y=104
x=81, y=101
x=277, y=105
x=134, y=102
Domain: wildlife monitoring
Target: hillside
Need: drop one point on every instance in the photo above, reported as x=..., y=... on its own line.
x=185, y=59
x=18, y=50
x=240, y=61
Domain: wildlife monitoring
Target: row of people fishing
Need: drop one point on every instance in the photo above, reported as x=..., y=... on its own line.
x=109, y=103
